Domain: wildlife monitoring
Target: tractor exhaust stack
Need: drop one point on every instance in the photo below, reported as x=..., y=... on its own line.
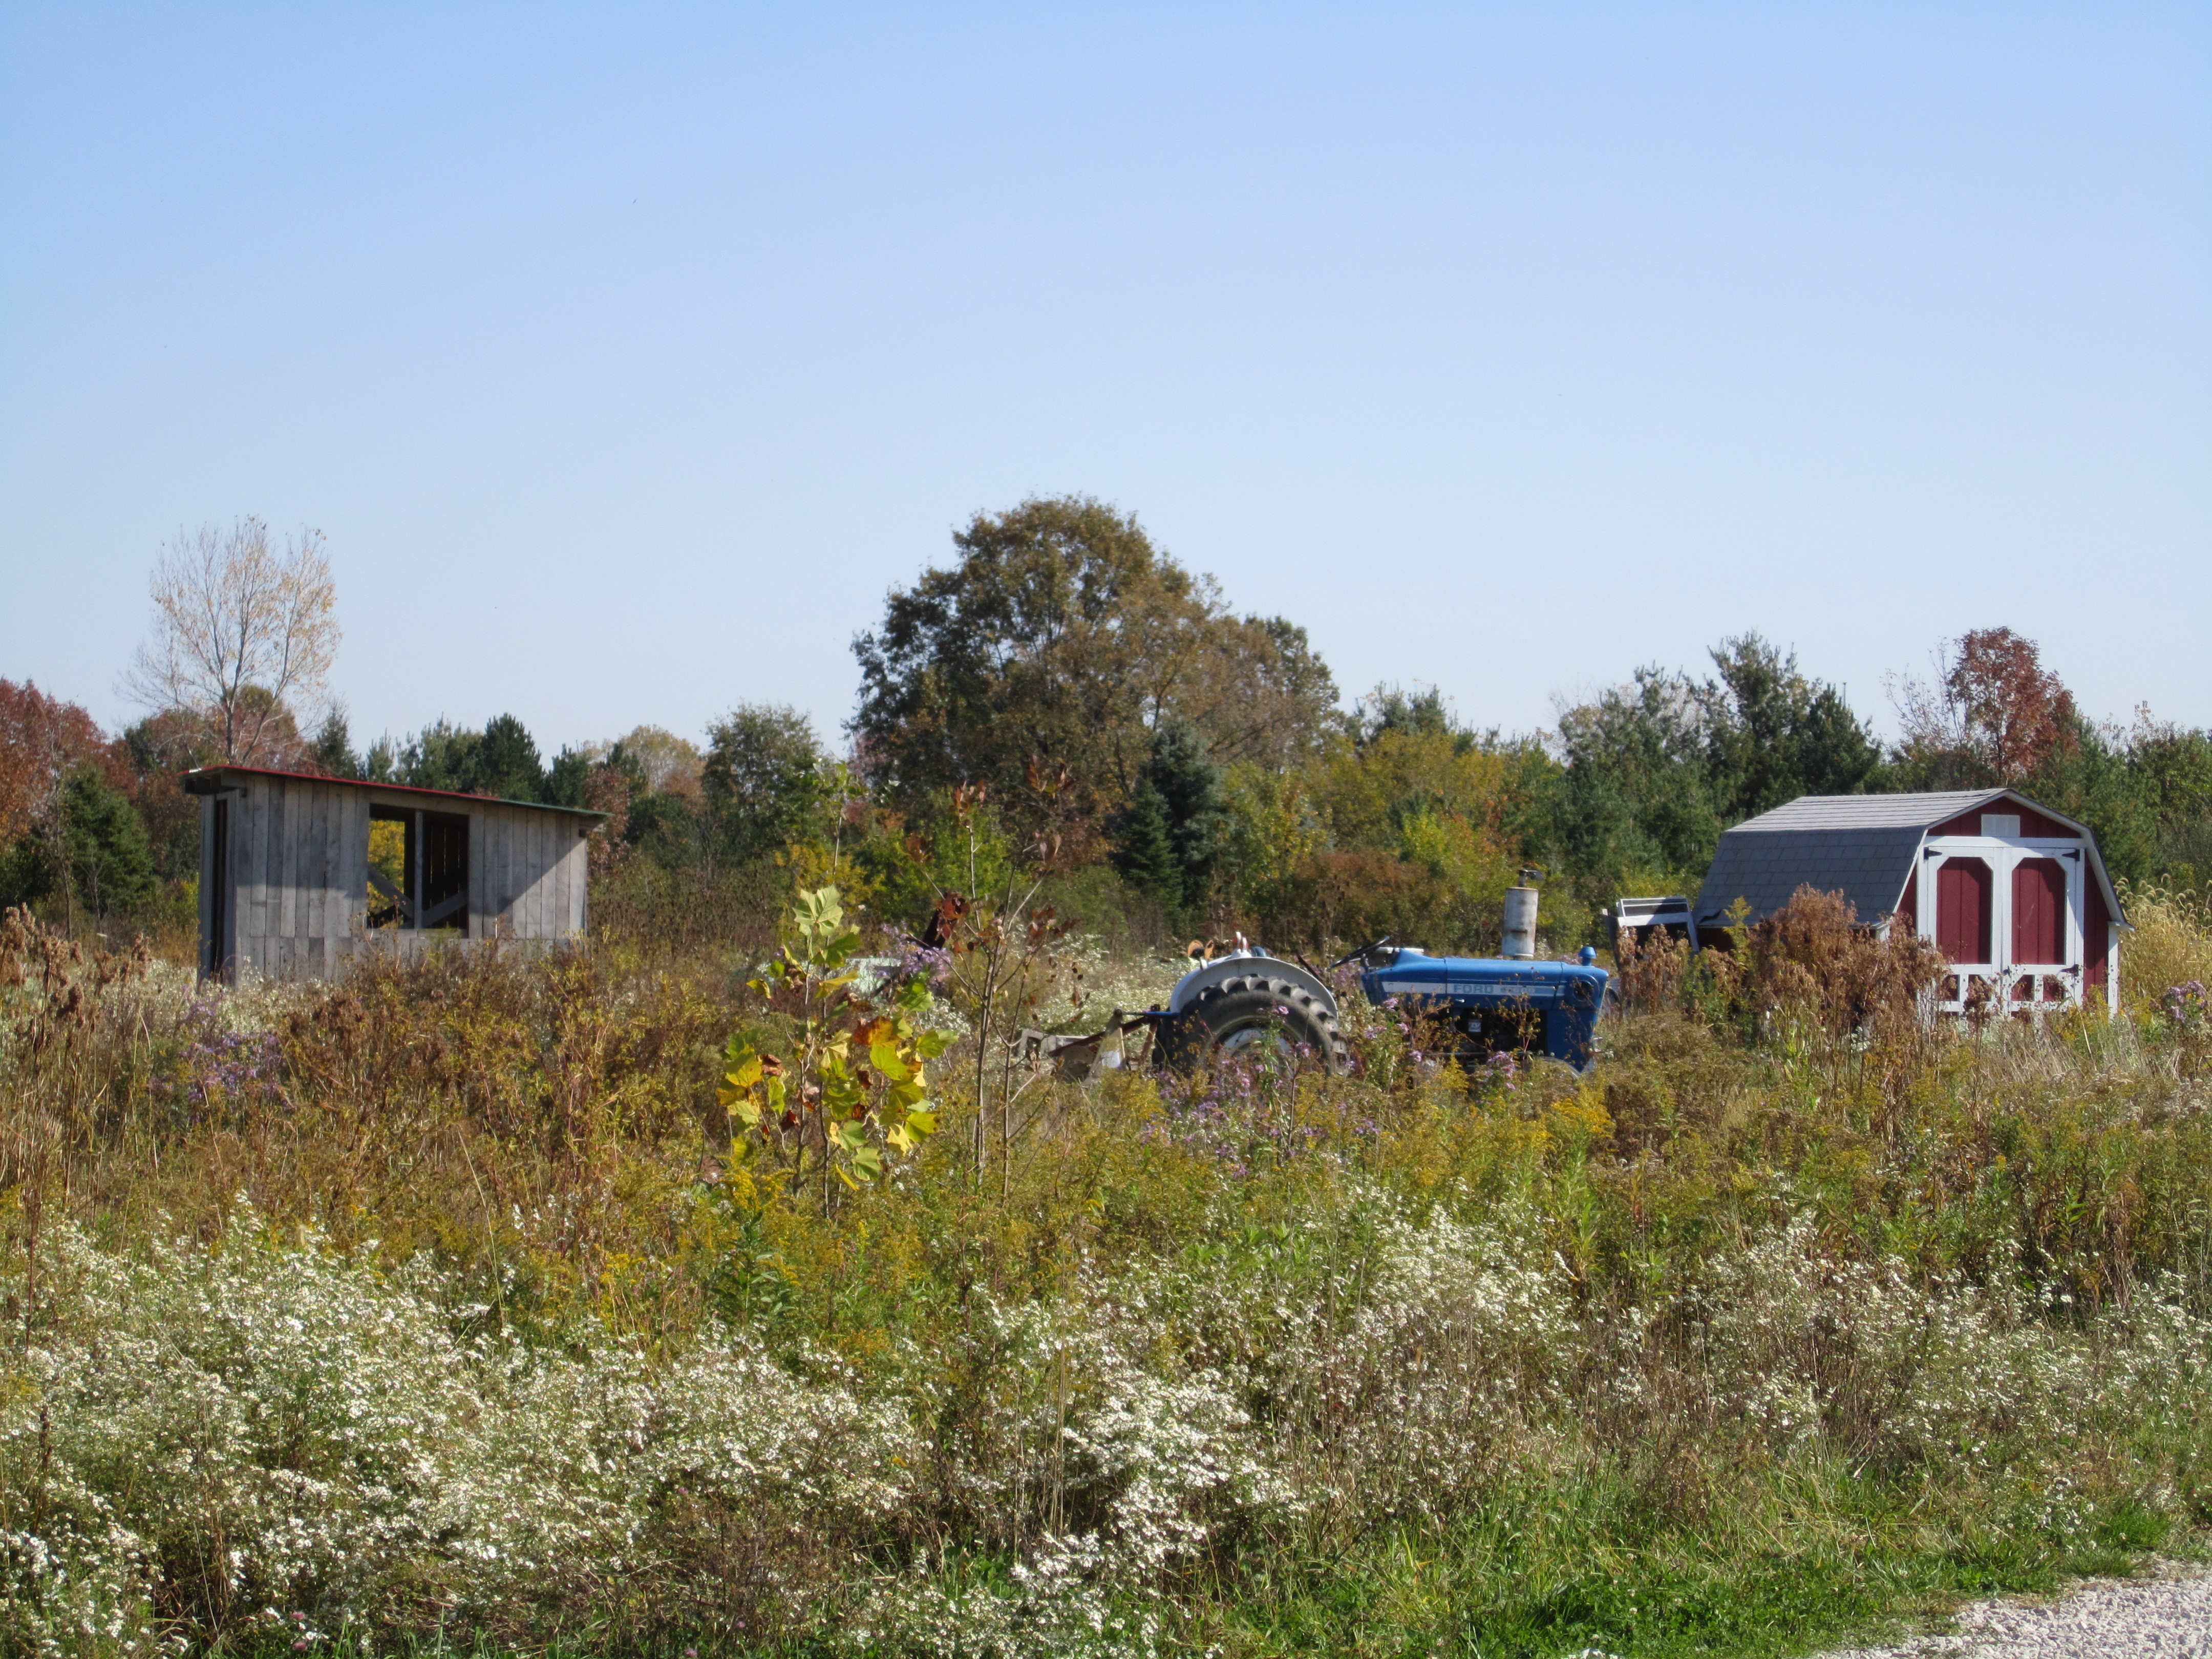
x=1520, y=943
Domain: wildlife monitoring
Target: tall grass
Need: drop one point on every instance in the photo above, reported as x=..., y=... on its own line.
x=439, y=1308
x=2169, y=943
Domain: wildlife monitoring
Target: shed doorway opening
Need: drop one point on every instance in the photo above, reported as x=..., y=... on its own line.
x=222, y=930
x=418, y=869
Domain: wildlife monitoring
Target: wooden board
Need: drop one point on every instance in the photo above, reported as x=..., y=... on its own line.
x=210, y=882
x=318, y=874
x=561, y=929
x=481, y=923
x=253, y=935
x=352, y=817
x=284, y=862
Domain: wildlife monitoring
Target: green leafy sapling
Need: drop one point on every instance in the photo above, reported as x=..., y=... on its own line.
x=848, y=1093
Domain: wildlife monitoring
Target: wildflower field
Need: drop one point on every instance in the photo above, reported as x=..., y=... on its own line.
x=507, y=1303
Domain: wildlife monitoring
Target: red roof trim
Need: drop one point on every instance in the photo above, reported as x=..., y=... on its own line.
x=396, y=789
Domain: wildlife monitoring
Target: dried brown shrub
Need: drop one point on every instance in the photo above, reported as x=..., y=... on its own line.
x=1814, y=957
x=1651, y=971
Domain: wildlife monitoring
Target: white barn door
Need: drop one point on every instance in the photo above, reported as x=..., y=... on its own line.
x=2008, y=913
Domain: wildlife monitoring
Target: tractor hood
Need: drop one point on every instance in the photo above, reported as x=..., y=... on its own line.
x=1491, y=981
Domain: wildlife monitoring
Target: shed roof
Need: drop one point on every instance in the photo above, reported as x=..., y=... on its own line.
x=1864, y=847
x=1918, y=812
x=206, y=780
x=1867, y=865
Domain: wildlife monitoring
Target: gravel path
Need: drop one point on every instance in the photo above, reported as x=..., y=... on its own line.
x=2164, y=1615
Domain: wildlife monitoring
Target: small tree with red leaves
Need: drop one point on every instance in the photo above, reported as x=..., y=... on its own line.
x=1993, y=713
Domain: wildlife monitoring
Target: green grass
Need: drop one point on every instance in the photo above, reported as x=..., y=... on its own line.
x=1501, y=1587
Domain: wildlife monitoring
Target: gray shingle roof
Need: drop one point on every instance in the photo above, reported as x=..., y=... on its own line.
x=1869, y=866
x=1919, y=811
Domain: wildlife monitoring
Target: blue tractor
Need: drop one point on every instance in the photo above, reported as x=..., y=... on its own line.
x=1245, y=997
x=1498, y=1005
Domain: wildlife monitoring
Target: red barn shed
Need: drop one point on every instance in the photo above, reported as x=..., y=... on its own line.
x=2016, y=894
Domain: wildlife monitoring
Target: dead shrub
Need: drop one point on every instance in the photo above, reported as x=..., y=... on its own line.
x=1651, y=972
x=1814, y=958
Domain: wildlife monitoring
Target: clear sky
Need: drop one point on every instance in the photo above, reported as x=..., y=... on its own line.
x=627, y=354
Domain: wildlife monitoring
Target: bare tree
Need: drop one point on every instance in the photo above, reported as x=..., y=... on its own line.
x=239, y=630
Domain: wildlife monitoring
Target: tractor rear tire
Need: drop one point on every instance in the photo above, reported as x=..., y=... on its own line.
x=1254, y=1011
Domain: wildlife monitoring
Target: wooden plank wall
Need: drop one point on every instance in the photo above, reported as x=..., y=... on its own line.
x=526, y=874
x=299, y=871
x=299, y=876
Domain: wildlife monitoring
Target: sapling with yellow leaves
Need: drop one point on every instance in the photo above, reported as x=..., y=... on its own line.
x=835, y=1082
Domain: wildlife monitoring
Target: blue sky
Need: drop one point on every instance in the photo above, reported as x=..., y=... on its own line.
x=627, y=355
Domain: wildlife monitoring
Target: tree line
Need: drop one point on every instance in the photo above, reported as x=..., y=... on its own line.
x=1063, y=696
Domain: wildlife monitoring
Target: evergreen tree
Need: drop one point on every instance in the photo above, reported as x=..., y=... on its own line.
x=441, y=755
x=507, y=763
x=1772, y=734
x=566, y=777
x=1656, y=769
x=1188, y=785
x=1423, y=713
x=26, y=872
x=2172, y=767
x=1169, y=839
x=109, y=858
x=666, y=828
x=1144, y=847
x=1635, y=793
x=502, y=760
x=2089, y=779
x=95, y=844
x=331, y=748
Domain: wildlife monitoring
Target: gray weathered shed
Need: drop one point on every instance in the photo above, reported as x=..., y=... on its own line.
x=290, y=885
x=2016, y=894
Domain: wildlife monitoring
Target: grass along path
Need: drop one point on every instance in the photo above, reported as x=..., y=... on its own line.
x=2165, y=1614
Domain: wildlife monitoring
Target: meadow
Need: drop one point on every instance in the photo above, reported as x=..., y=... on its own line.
x=466, y=1305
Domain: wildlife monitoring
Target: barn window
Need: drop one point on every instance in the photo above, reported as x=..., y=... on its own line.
x=418, y=868
x=2038, y=912
x=445, y=871
x=1962, y=909
x=390, y=882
